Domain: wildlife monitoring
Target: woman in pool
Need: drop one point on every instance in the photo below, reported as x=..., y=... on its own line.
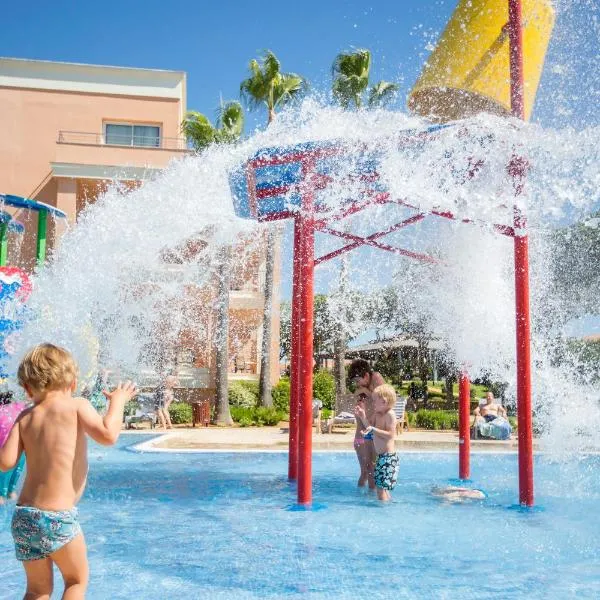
x=366, y=380
x=362, y=444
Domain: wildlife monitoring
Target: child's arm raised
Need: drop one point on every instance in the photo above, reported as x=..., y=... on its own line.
x=12, y=449
x=106, y=430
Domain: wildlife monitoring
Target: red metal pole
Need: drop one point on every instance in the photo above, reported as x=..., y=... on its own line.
x=305, y=336
x=521, y=269
x=464, y=422
x=295, y=355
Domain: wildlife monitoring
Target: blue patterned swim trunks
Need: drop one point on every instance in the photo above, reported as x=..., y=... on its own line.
x=39, y=533
x=386, y=470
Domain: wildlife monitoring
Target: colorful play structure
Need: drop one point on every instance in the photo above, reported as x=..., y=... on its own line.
x=15, y=283
x=477, y=66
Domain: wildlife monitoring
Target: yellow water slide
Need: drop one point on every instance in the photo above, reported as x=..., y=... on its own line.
x=468, y=71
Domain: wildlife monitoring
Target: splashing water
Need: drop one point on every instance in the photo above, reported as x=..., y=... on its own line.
x=139, y=269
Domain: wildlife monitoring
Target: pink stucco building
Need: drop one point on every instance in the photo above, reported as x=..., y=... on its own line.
x=68, y=129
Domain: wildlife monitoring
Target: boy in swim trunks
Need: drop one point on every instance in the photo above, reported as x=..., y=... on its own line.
x=384, y=433
x=52, y=434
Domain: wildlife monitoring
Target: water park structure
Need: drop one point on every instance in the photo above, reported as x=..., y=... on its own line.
x=476, y=67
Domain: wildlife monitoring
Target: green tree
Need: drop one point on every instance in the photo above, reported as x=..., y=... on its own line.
x=200, y=133
x=351, y=72
x=267, y=86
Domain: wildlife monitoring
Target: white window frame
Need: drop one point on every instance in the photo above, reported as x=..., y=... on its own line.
x=132, y=125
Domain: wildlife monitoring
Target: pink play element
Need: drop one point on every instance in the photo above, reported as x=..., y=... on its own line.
x=8, y=416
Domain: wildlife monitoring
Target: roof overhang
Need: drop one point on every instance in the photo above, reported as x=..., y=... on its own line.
x=116, y=173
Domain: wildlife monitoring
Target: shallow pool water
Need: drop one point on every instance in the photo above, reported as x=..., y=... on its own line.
x=217, y=525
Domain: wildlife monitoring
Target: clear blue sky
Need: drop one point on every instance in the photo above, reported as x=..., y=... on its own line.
x=213, y=42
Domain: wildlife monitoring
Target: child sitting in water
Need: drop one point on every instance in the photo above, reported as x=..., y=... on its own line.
x=52, y=434
x=384, y=432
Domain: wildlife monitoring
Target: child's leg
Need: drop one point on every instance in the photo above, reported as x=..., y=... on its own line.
x=383, y=495
x=39, y=579
x=161, y=418
x=71, y=559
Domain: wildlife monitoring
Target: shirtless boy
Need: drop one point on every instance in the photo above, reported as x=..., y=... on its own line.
x=365, y=380
x=52, y=434
x=384, y=432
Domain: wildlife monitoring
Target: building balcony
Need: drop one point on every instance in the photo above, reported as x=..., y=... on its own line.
x=86, y=148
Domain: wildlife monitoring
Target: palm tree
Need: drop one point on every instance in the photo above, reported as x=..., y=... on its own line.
x=200, y=134
x=268, y=86
x=350, y=82
x=351, y=79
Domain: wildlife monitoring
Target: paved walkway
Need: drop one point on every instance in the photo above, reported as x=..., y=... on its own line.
x=276, y=438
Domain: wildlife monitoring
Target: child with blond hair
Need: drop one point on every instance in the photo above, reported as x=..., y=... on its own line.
x=384, y=433
x=52, y=434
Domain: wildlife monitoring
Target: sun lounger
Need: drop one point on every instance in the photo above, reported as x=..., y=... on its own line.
x=401, y=417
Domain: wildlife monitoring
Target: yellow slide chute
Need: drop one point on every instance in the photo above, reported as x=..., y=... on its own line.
x=468, y=71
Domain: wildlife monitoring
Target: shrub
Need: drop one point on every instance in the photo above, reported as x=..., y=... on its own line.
x=246, y=416
x=324, y=388
x=239, y=395
x=180, y=412
x=252, y=387
x=281, y=395
x=436, y=419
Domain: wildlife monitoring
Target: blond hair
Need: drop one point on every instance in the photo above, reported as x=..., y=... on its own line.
x=388, y=393
x=47, y=367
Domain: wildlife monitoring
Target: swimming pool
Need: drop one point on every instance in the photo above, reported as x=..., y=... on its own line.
x=215, y=525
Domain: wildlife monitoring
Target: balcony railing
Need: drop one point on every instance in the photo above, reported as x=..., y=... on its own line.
x=99, y=139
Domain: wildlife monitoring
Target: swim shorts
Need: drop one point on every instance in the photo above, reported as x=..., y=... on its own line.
x=39, y=533
x=386, y=470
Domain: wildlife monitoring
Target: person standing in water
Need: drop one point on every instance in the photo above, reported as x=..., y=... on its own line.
x=163, y=398
x=53, y=435
x=366, y=380
x=384, y=433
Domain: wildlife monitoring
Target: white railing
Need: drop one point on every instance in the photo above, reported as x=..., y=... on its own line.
x=100, y=139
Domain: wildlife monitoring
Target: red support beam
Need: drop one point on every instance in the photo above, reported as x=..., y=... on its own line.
x=521, y=243
x=358, y=241
x=464, y=422
x=295, y=354
x=306, y=255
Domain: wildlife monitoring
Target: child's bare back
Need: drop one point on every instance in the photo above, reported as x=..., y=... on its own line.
x=52, y=434
x=55, y=444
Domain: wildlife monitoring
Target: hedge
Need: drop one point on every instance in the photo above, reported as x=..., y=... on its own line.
x=246, y=416
x=240, y=395
x=180, y=413
x=324, y=388
x=281, y=395
x=436, y=419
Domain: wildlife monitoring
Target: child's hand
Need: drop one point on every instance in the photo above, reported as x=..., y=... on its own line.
x=359, y=411
x=367, y=430
x=123, y=392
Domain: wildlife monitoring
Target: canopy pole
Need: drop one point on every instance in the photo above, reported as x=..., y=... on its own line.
x=3, y=243
x=305, y=337
x=295, y=354
x=464, y=430
x=41, y=237
x=521, y=245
